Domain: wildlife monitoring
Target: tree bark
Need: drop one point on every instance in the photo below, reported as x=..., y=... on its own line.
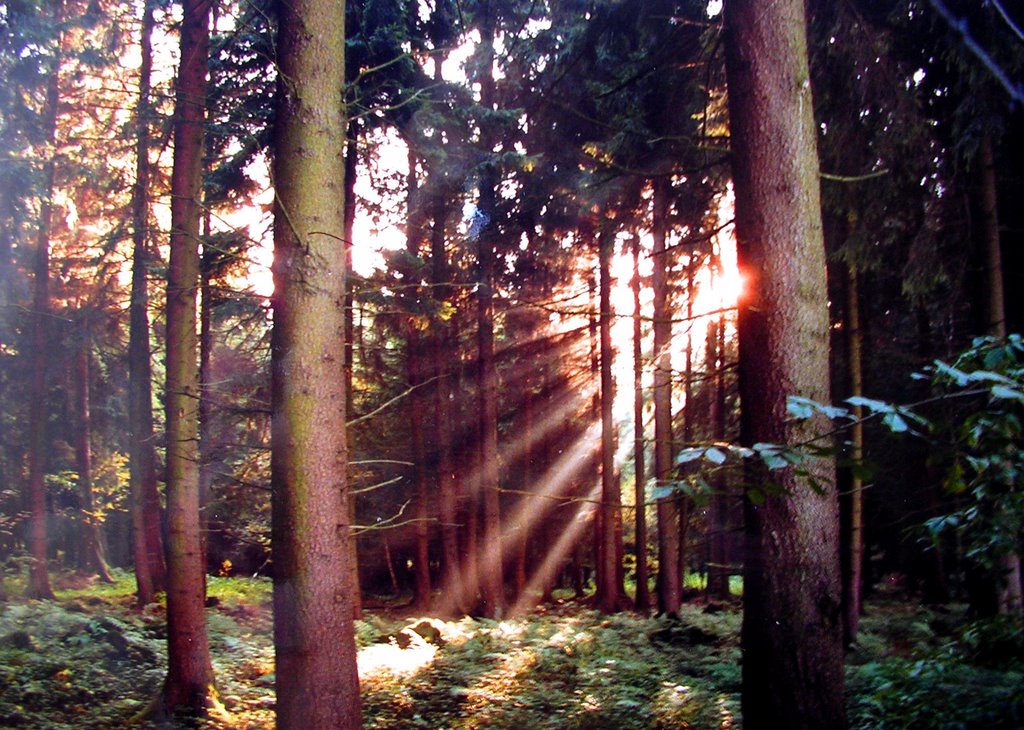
x=39, y=577
x=611, y=495
x=643, y=595
x=718, y=569
x=669, y=580
x=317, y=681
x=1011, y=595
x=189, y=684
x=147, y=540
x=417, y=403
x=91, y=541
x=792, y=633
x=852, y=594
x=351, y=171
x=492, y=578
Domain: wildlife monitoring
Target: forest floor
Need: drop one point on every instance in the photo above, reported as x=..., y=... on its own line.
x=92, y=660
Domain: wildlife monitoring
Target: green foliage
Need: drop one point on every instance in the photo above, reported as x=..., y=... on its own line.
x=240, y=590
x=933, y=693
x=987, y=453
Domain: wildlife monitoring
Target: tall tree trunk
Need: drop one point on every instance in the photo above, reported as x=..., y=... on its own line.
x=92, y=544
x=852, y=594
x=206, y=411
x=417, y=402
x=147, y=538
x=444, y=363
x=492, y=583
x=611, y=495
x=189, y=684
x=643, y=595
x=669, y=580
x=792, y=632
x=1011, y=595
x=351, y=171
x=317, y=681
x=39, y=577
x=718, y=570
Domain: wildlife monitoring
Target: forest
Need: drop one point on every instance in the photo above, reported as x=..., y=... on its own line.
x=511, y=363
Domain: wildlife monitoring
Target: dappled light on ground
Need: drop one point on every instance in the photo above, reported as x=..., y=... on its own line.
x=91, y=660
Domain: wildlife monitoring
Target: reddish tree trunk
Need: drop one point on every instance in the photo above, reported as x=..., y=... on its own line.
x=189, y=684
x=669, y=580
x=643, y=596
x=611, y=495
x=147, y=540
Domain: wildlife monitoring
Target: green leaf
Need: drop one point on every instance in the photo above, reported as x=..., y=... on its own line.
x=895, y=422
x=875, y=406
x=715, y=456
x=957, y=376
x=804, y=408
x=689, y=454
x=664, y=491
x=1005, y=392
x=771, y=455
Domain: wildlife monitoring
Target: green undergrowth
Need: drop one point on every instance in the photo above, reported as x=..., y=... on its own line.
x=920, y=667
x=91, y=659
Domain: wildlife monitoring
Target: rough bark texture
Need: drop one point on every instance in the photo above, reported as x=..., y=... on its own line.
x=792, y=634
x=669, y=580
x=643, y=595
x=147, y=541
x=189, y=684
x=317, y=682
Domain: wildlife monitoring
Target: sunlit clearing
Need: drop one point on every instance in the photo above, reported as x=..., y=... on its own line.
x=390, y=658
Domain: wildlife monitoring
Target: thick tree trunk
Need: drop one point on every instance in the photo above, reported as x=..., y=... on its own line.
x=189, y=684
x=91, y=541
x=643, y=595
x=317, y=681
x=669, y=580
x=792, y=632
x=147, y=539
x=611, y=495
x=39, y=577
